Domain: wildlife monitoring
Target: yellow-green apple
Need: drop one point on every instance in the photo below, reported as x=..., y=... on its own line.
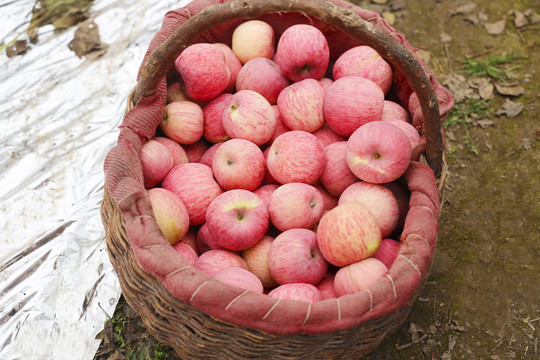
x=251, y=39
x=241, y=278
x=299, y=291
x=213, y=261
x=177, y=151
x=213, y=113
x=170, y=214
x=237, y=219
x=263, y=76
x=238, y=164
x=183, y=122
x=302, y=52
x=203, y=70
x=327, y=136
x=208, y=157
x=337, y=176
x=378, y=199
x=354, y=98
x=205, y=242
x=296, y=156
x=348, y=233
x=233, y=64
x=156, y=162
x=392, y=110
x=295, y=205
x=187, y=252
x=378, y=152
x=387, y=252
x=325, y=82
x=196, y=151
x=358, y=276
x=249, y=116
x=295, y=257
x=264, y=192
x=256, y=258
x=301, y=105
x=326, y=287
x=408, y=129
x=194, y=184
x=280, y=125
x=364, y=61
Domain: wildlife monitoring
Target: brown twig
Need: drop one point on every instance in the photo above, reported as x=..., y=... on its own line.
x=108, y=316
x=419, y=340
x=479, y=54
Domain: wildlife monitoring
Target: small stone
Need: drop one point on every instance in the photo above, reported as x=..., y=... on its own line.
x=526, y=144
x=534, y=18
x=452, y=339
x=379, y=2
x=432, y=329
x=18, y=48
x=397, y=5
x=472, y=18
x=390, y=17
x=463, y=9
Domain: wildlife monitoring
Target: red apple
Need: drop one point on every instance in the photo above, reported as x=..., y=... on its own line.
x=354, y=98
x=394, y=111
x=186, y=251
x=280, y=125
x=177, y=151
x=190, y=239
x=196, y=151
x=302, y=52
x=327, y=136
x=170, y=213
x=295, y=205
x=249, y=116
x=326, y=287
x=194, y=184
x=408, y=129
x=256, y=258
x=156, y=162
x=251, y=39
x=232, y=63
x=183, y=122
x=175, y=93
x=329, y=201
x=296, y=156
x=402, y=195
x=237, y=219
x=347, y=234
x=264, y=192
x=387, y=252
x=203, y=70
x=337, y=176
x=241, y=278
x=378, y=199
x=268, y=178
x=301, y=292
x=364, y=61
x=238, y=164
x=263, y=76
x=295, y=258
x=205, y=242
x=358, y=276
x=213, y=114
x=208, y=157
x=301, y=105
x=378, y=152
x=325, y=82
x=213, y=261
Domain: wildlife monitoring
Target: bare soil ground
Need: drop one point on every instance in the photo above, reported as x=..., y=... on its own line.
x=481, y=301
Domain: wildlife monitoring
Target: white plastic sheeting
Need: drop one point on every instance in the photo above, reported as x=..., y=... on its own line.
x=59, y=116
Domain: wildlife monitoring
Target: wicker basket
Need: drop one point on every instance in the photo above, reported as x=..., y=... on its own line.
x=182, y=307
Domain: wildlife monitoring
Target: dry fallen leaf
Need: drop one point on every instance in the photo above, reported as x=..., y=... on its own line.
x=526, y=144
x=512, y=89
x=485, y=123
x=495, y=28
x=457, y=84
x=380, y=2
x=510, y=109
x=18, y=48
x=519, y=19
x=534, y=18
x=390, y=17
x=483, y=85
x=445, y=38
x=86, y=41
x=463, y=9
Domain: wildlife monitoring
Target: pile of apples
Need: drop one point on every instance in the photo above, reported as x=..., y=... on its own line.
x=276, y=172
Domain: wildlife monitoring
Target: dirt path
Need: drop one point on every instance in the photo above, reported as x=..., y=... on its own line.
x=481, y=301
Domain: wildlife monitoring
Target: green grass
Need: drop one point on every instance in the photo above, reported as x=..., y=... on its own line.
x=462, y=113
x=499, y=67
x=160, y=352
x=119, y=327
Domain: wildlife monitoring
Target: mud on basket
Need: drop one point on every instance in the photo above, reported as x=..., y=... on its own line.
x=202, y=318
